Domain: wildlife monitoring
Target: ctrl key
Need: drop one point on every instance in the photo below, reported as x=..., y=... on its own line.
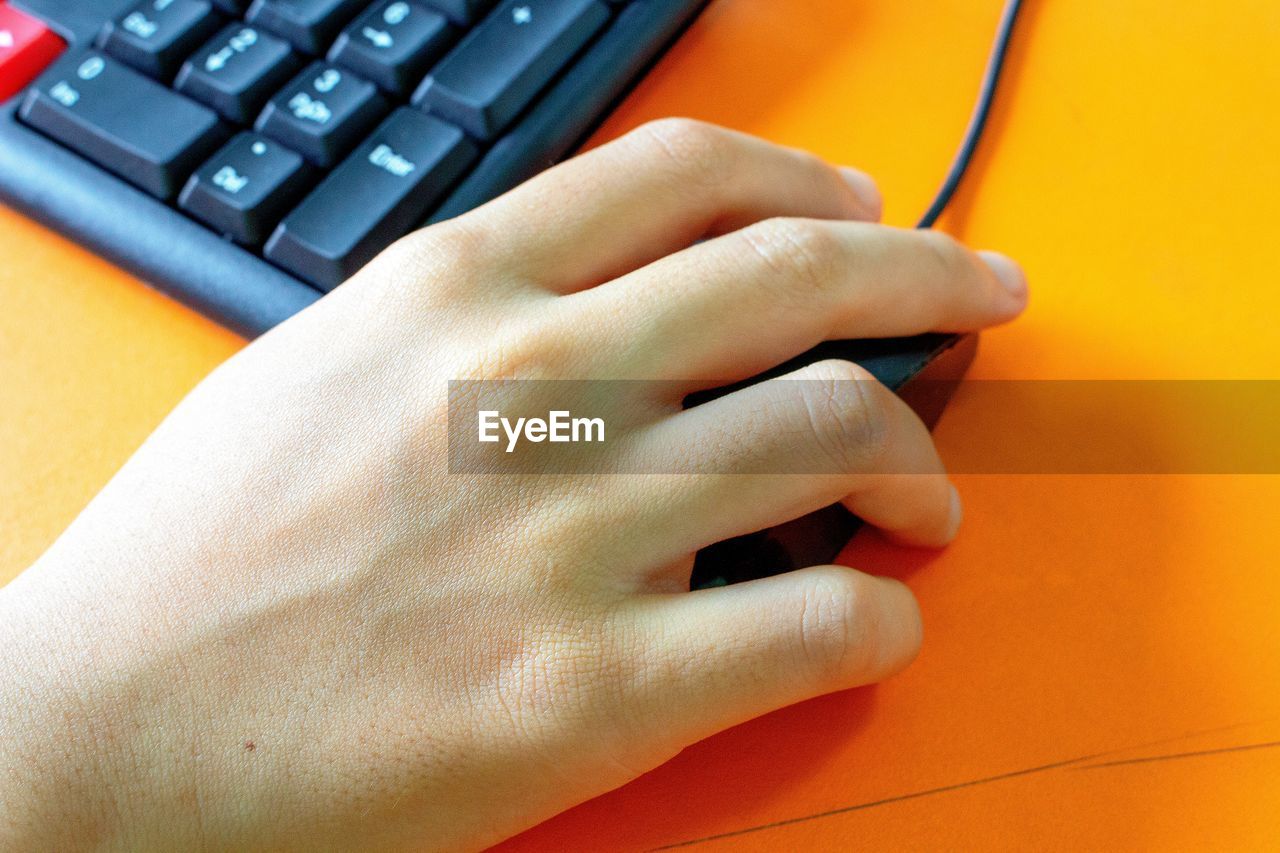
x=244, y=189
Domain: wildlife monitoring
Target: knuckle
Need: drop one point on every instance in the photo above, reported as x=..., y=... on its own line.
x=846, y=413
x=536, y=344
x=520, y=350
x=803, y=251
x=807, y=161
x=556, y=668
x=437, y=255
x=815, y=168
x=834, y=635
x=697, y=153
x=584, y=678
x=460, y=242
x=944, y=251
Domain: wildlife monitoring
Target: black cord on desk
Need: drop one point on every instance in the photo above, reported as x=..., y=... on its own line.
x=978, y=121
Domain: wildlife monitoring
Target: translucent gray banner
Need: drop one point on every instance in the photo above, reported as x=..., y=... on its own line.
x=808, y=427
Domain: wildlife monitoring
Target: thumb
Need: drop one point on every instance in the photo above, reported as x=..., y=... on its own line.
x=721, y=656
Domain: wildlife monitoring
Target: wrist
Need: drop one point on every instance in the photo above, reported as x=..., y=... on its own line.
x=53, y=783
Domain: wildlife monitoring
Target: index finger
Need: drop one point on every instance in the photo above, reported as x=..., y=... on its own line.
x=655, y=191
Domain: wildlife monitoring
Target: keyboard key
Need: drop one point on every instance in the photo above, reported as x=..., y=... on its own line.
x=322, y=113
x=378, y=193
x=498, y=69
x=156, y=35
x=310, y=25
x=462, y=12
x=123, y=121
x=393, y=44
x=25, y=49
x=237, y=71
x=244, y=189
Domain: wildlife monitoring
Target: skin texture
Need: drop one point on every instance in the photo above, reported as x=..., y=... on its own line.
x=286, y=624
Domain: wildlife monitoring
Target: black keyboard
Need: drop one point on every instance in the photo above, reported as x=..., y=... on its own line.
x=247, y=156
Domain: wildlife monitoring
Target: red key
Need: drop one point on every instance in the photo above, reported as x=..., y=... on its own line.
x=26, y=47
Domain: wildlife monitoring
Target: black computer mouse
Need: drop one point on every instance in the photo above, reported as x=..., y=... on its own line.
x=923, y=370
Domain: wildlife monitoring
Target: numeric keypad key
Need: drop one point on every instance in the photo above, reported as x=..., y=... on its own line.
x=156, y=35
x=502, y=64
x=237, y=71
x=310, y=25
x=322, y=113
x=123, y=121
x=244, y=189
x=393, y=44
x=378, y=193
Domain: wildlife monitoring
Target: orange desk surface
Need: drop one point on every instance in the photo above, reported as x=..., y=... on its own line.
x=1102, y=657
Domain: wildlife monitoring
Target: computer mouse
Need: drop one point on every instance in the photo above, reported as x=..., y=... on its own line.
x=923, y=370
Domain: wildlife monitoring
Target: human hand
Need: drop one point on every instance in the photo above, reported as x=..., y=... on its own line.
x=285, y=623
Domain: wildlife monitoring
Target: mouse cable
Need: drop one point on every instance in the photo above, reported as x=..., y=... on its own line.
x=978, y=121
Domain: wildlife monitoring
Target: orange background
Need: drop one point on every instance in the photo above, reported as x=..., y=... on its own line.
x=1133, y=165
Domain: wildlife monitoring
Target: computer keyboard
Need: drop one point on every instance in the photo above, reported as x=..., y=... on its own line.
x=247, y=157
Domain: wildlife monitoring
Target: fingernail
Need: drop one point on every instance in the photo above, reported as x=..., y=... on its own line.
x=1007, y=272
x=865, y=190
x=957, y=513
